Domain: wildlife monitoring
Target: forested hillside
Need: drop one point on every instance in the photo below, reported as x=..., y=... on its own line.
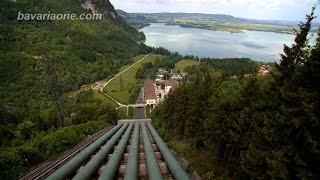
x=233, y=66
x=40, y=63
x=262, y=127
x=136, y=20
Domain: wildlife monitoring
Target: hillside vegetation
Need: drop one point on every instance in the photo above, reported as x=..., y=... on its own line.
x=40, y=62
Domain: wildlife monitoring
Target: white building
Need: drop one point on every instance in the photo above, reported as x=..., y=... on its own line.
x=171, y=83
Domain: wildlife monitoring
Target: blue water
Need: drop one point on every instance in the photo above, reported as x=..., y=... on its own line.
x=262, y=46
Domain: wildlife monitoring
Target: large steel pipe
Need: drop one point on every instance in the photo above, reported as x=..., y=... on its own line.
x=175, y=167
x=132, y=167
x=154, y=171
x=92, y=166
x=71, y=166
x=112, y=165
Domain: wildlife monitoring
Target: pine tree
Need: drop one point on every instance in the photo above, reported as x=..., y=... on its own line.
x=294, y=56
x=297, y=148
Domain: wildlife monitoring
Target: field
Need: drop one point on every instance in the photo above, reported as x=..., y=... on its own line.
x=122, y=92
x=182, y=64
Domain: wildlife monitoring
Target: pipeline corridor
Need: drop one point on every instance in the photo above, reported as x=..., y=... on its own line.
x=128, y=151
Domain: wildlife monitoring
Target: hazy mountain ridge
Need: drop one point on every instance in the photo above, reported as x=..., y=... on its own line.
x=143, y=19
x=216, y=17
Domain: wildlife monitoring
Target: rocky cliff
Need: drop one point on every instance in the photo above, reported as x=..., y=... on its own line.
x=108, y=12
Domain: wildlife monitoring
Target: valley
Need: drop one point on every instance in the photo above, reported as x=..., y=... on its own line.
x=157, y=95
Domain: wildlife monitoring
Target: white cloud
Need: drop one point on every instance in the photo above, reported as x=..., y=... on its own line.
x=266, y=9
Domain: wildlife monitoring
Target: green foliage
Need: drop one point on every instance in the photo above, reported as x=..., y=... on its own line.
x=146, y=69
x=233, y=66
x=137, y=21
x=16, y=160
x=162, y=51
x=40, y=63
x=295, y=56
x=183, y=149
x=144, y=49
x=36, y=140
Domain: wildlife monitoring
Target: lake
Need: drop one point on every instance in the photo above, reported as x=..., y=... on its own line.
x=262, y=46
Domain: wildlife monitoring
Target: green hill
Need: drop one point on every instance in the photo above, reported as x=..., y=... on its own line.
x=40, y=62
x=184, y=63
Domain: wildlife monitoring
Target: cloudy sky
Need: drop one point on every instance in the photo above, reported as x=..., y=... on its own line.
x=292, y=10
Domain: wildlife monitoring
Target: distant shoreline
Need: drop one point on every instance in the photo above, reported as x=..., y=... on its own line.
x=225, y=30
x=214, y=22
x=204, y=28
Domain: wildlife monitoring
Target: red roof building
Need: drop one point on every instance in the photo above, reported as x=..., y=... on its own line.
x=150, y=96
x=170, y=84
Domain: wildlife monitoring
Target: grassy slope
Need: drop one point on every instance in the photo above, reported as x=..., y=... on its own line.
x=184, y=63
x=121, y=111
x=99, y=96
x=129, y=80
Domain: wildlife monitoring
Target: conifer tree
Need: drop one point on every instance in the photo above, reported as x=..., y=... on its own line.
x=294, y=56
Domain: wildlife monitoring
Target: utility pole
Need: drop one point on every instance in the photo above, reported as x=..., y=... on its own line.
x=121, y=83
x=55, y=91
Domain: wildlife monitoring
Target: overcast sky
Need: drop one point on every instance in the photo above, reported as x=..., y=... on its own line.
x=292, y=10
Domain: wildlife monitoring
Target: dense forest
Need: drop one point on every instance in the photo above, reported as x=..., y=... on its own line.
x=259, y=127
x=40, y=63
x=233, y=66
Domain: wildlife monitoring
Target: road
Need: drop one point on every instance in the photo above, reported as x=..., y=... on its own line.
x=139, y=112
